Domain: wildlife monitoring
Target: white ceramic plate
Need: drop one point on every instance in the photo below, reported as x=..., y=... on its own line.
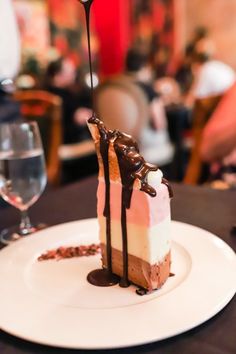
x=52, y=303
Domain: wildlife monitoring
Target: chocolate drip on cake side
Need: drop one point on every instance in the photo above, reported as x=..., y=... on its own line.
x=104, y=277
x=101, y=277
x=132, y=165
x=167, y=184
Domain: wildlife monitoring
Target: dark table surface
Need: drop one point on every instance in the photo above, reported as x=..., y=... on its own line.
x=212, y=210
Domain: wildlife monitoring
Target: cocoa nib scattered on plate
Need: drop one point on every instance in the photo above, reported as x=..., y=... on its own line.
x=70, y=252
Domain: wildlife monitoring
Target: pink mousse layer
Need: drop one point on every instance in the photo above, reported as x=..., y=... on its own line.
x=145, y=210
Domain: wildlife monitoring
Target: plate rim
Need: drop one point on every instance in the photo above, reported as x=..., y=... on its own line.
x=50, y=343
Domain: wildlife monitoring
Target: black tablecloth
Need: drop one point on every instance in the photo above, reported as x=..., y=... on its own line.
x=212, y=210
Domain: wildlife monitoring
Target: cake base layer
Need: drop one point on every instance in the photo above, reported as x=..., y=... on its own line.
x=140, y=272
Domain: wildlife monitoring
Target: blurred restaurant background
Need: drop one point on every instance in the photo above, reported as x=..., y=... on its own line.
x=163, y=71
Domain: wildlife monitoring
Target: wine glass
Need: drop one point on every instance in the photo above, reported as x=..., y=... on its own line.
x=22, y=173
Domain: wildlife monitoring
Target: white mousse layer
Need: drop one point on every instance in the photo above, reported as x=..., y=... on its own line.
x=150, y=244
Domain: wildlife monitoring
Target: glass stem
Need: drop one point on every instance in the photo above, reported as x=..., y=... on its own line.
x=25, y=224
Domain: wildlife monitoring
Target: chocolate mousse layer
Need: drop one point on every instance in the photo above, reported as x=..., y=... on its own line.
x=140, y=272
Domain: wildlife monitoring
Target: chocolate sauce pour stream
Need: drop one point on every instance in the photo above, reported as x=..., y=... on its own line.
x=101, y=277
x=87, y=5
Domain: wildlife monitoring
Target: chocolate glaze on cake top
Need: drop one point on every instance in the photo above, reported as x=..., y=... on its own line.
x=132, y=165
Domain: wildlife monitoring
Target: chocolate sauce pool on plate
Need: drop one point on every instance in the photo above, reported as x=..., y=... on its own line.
x=102, y=277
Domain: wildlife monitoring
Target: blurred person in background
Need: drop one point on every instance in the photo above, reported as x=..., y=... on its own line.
x=138, y=68
x=179, y=118
x=186, y=71
x=184, y=75
x=172, y=90
x=60, y=80
x=155, y=136
x=201, y=41
x=211, y=77
x=9, y=61
x=160, y=61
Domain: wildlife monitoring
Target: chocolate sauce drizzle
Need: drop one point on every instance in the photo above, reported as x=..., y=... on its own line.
x=104, y=277
x=132, y=166
x=167, y=184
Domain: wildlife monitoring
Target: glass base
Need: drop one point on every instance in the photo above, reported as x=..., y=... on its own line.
x=13, y=233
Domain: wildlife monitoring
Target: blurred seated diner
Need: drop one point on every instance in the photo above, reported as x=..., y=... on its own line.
x=184, y=74
x=60, y=79
x=200, y=42
x=77, y=153
x=179, y=122
x=211, y=77
x=157, y=147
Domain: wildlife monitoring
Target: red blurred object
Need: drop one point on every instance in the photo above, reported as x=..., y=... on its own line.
x=35, y=110
x=112, y=23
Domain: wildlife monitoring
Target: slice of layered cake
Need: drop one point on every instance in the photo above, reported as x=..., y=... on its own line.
x=133, y=206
